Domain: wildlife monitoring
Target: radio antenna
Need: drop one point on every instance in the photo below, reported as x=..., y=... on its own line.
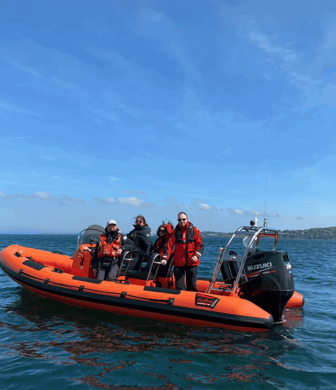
x=265, y=220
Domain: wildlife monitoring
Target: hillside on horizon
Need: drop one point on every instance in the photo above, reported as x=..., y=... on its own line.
x=313, y=233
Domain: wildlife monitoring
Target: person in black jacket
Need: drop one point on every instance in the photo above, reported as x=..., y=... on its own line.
x=141, y=237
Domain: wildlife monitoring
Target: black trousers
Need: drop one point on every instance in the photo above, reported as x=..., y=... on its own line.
x=191, y=278
x=108, y=268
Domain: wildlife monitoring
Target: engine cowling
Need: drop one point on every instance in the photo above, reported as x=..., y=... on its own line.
x=269, y=281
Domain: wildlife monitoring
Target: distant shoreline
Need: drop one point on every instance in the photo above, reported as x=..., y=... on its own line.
x=310, y=234
x=307, y=234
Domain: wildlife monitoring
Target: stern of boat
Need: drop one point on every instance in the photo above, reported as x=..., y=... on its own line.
x=269, y=282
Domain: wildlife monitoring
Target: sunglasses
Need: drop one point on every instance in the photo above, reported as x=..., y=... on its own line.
x=161, y=230
x=182, y=219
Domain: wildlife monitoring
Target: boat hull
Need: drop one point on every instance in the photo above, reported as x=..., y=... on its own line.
x=49, y=276
x=296, y=301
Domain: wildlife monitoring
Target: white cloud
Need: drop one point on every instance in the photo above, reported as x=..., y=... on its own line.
x=105, y=200
x=252, y=213
x=109, y=200
x=44, y=195
x=242, y=212
x=132, y=201
x=13, y=196
x=66, y=198
x=204, y=206
x=238, y=211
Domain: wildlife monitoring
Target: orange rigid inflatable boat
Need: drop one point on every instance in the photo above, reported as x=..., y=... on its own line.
x=247, y=292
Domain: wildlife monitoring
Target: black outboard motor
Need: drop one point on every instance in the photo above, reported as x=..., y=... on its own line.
x=270, y=282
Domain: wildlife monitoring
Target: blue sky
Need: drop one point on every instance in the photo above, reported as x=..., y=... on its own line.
x=223, y=109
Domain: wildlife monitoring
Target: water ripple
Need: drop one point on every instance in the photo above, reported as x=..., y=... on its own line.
x=58, y=346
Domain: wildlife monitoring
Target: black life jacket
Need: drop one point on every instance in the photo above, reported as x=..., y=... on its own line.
x=190, y=235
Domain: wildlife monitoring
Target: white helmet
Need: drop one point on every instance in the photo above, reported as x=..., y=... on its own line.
x=111, y=222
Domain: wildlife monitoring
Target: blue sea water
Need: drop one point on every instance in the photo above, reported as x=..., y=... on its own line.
x=49, y=345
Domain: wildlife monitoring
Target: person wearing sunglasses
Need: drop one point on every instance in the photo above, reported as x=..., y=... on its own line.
x=161, y=244
x=187, y=246
x=141, y=237
x=160, y=247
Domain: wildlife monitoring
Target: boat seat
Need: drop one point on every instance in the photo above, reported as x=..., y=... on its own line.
x=149, y=276
x=146, y=276
x=139, y=275
x=230, y=268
